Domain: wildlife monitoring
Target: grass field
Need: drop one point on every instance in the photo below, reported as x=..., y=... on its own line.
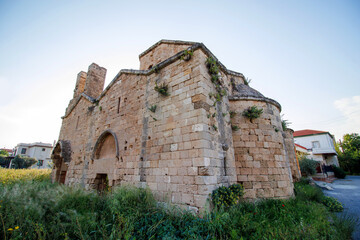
x=41, y=210
x=8, y=176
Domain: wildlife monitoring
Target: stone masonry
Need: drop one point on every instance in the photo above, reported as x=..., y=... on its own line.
x=184, y=149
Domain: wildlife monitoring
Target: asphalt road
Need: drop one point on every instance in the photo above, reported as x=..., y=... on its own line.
x=347, y=191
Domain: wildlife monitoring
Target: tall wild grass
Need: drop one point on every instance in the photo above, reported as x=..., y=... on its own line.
x=41, y=210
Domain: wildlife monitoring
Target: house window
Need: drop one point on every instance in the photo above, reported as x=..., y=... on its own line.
x=40, y=163
x=43, y=149
x=315, y=144
x=23, y=151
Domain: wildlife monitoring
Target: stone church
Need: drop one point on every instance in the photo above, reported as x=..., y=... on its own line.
x=178, y=126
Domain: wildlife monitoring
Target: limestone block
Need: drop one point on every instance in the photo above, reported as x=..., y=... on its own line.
x=200, y=200
x=249, y=193
x=187, y=198
x=173, y=147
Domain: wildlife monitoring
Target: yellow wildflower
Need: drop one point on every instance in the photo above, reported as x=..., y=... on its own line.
x=10, y=229
x=17, y=227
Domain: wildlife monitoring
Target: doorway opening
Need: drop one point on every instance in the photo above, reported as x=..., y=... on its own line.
x=102, y=183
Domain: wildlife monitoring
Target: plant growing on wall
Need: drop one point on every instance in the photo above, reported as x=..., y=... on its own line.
x=247, y=81
x=232, y=114
x=234, y=127
x=253, y=112
x=162, y=89
x=284, y=123
x=224, y=197
x=152, y=108
x=155, y=69
x=213, y=68
x=186, y=55
x=223, y=92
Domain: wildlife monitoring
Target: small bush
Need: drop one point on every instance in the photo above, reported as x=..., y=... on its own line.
x=232, y=114
x=253, y=112
x=332, y=204
x=307, y=166
x=234, y=127
x=227, y=196
x=21, y=162
x=186, y=55
x=155, y=69
x=152, y=108
x=162, y=89
x=285, y=124
x=212, y=66
x=247, y=81
x=339, y=172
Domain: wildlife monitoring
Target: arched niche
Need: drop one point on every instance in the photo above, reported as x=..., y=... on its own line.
x=61, y=156
x=106, y=147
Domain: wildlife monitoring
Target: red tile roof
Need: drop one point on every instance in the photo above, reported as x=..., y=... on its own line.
x=307, y=132
x=300, y=146
x=6, y=149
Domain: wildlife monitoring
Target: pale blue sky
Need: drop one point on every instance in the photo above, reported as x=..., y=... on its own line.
x=304, y=54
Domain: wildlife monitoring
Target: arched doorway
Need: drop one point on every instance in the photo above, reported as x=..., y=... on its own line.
x=61, y=156
x=104, y=157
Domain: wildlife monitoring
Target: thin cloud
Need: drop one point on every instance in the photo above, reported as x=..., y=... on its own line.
x=350, y=109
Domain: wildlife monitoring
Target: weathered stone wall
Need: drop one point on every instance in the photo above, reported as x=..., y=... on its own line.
x=186, y=148
x=290, y=149
x=80, y=84
x=260, y=157
x=184, y=156
x=95, y=80
x=160, y=52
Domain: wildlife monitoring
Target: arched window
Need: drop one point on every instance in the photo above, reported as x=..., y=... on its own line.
x=106, y=147
x=61, y=156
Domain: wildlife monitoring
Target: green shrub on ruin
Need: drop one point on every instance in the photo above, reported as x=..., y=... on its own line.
x=227, y=196
x=162, y=89
x=253, y=112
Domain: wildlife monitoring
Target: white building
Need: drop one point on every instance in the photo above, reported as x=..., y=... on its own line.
x=38, y=150
x=320, y=145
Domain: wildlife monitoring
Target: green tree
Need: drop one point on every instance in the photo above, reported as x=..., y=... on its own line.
x=20, y=162
x=349, y=153
x=307, y=166
x=4, y=153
